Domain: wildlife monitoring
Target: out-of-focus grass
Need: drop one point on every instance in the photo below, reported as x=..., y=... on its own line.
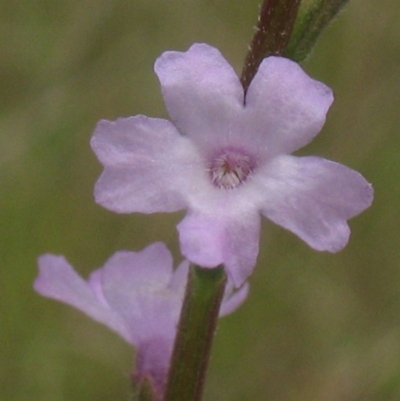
x=315, y=327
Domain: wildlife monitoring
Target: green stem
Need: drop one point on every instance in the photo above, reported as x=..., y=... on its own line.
x=273, y=31
x=196, y=328
x=310, y=24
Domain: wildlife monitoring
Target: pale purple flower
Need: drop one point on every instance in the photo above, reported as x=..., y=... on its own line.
x=136, y=294
x=227, y=161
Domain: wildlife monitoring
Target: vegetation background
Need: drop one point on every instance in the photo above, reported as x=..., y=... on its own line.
x=316, y=326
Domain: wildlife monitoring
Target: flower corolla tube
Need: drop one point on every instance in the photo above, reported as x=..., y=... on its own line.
x=137, y=294
x=226, y=159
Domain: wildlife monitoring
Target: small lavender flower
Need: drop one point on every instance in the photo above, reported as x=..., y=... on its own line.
x=136, y=294
x=227, y=159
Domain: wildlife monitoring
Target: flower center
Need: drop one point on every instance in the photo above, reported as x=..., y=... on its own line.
x=230, y=168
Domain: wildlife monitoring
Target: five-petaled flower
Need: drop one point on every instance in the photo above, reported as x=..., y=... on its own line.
x=136, y=294
x=227, y=159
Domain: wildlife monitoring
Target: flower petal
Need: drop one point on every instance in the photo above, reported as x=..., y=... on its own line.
x=233, y=299
x=59, y=281
x=285, y=108
x=148, y=270
x=201, y=91
x=145, y=160
x=95, y=282
x=152, y=362
x=202, y=240
x=231, y=240
x=136, y=285
x=313, y=198
x=179, y=278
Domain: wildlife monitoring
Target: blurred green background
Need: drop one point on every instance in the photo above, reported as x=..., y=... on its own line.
x=316, y=326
